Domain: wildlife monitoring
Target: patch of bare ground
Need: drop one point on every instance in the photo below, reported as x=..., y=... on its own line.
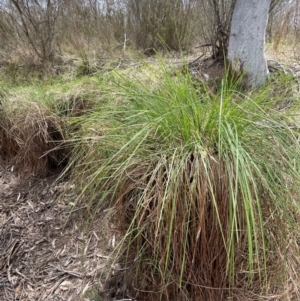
x=44, y=252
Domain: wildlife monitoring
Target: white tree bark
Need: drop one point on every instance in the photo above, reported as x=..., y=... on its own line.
x=247, y=38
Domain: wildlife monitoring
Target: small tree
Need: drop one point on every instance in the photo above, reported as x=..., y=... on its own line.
x=247, y=39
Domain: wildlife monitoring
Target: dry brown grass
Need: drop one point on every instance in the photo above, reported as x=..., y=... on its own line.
x=185, y=238
x=192, y=259
x=32, y=138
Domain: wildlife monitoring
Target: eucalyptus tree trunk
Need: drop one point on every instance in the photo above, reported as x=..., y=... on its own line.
x=246, y=42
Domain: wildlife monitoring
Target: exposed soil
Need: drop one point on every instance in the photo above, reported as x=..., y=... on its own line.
x=44, y=252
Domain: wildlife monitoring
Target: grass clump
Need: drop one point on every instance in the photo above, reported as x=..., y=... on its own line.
x=31, y=138
x=203, y=185
x=37, y=119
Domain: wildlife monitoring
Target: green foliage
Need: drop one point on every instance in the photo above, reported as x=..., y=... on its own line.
x=201, y=180
x=204, y=183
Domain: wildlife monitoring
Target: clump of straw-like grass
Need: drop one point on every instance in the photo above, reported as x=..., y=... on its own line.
x=8, y=147
x=32, y=138
x=204, y=186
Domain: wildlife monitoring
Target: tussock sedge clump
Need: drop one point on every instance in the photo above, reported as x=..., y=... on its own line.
x=205, y=187
x=32, y=138
x=37, y=119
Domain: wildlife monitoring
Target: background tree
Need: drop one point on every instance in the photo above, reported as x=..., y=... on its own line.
x=38, y=31
x=247, y=38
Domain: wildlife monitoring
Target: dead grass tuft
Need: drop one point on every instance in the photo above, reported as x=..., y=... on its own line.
x=180, y=226
x=183, y=226
x=8, y=146
x=32, y=138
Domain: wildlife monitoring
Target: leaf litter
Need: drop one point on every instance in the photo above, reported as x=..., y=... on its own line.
x=44, y=253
